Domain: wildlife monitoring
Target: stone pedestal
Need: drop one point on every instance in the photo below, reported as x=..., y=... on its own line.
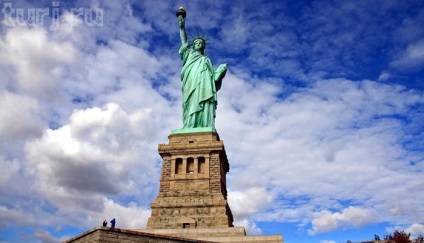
x=193, y=191
x=192, y=202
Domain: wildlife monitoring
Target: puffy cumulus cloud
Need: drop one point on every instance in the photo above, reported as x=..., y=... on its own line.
x=9, y=171
x=240, y=101
x=116, y=66
x=317, y=118
x=327, y=241
x=245, y=204
x=20, y=117
x=316, y=148
x=39, y=61
x=111, y=126
x=92, y=163
x=129, y=216
x=326, y=221
x=96, y=154
x=411, y=58
x=249, y=225
x=334, y=142
x=129, y=76
x=248, y=202
x=415, y=229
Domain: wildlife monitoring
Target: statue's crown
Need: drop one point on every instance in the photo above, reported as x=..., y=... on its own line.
x=200, y=37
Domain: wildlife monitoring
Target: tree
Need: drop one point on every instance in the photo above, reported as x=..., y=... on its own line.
x=399, y=237
x=419, y=239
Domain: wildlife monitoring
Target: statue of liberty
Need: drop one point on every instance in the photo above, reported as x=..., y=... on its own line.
x=200, y=80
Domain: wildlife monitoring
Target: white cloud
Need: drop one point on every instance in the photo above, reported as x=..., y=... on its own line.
x=238, y=34
x=415, y=229
x=38, y=61
x=127, y=216
x=92, y=162
x=45, y=237
x=95, y=154
x=250, y=226
x=111, y=127
x=337, y=141
x=298, y=154
x=384, y=76
x=10, y=169
x=411, y=58
x=325, y=221
x=20, y=117
x=69, y=24
x=14, y=217
x=249, y=202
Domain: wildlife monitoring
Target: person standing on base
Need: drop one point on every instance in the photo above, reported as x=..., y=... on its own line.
x=112, y=223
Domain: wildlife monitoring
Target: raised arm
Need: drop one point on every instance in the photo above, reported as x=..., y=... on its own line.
x=183, y=34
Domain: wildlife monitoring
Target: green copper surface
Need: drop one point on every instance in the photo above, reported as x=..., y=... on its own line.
x=193, y=130
x=200, y=82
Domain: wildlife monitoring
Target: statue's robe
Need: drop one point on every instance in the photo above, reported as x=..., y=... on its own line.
x=200, y=82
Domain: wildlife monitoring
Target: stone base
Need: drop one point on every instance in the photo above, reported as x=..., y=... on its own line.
x=230, y=234
x=117, y=235
x=193, y=192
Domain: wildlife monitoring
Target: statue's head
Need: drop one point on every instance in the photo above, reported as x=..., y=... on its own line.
x=199, y=44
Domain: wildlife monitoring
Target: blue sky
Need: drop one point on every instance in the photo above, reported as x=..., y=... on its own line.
x=321, y=114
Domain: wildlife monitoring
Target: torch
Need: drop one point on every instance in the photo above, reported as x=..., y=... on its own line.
x=181, y=12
